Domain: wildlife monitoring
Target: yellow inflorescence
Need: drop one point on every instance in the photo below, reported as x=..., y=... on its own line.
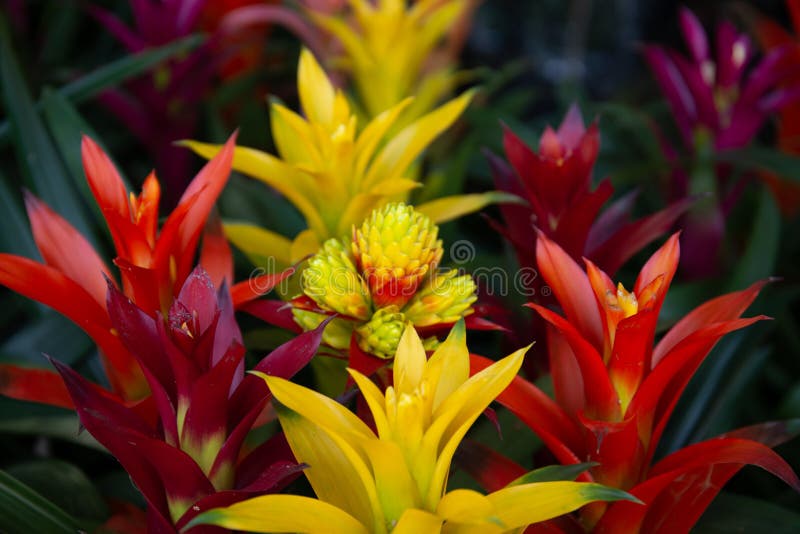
x=386, y=278
x=395, y=249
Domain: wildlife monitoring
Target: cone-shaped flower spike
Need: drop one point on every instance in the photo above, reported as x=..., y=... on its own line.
x=385, y=276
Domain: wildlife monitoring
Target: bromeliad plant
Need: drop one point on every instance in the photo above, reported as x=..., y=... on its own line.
x=395, y=49
x=190, y=456
x=718, y=105
x=615, y=391
x=382, y=278
x=336, y=172
x=394, y=478
x=556, y=182
x=153, y=266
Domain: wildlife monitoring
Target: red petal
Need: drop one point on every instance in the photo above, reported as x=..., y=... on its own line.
x=285, y=361
x=540, y=413
x=565, y=373
x=686, y=482
x=159, y=470
x=571, y=287
x=610, y=254
x=574, y=224
x=601, y=398
x=659, y=393
x=207, y=416
x=193, y=210
x=630, y=357
x=50, y=287
x=65, y=249
x=617, y=449
x=674, y=87
x=215, y=255
x=362, y=361
x=694, y=34
x=257, y=286
x=720, y=309
x=489, y=468
x=34, y=385
x=104, y=180
x=663, y=262
x=274, y=312
x=572, y=128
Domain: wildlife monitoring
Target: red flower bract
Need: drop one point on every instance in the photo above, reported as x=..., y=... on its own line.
x=615, y=391
x=153, y=267
x=191, y=458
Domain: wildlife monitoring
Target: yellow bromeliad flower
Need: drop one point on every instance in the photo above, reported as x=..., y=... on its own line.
x=334, y=172
x=393, y=50
x=386, y=276
x=396, y=481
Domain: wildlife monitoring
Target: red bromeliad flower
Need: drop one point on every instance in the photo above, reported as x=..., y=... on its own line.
x=557, y=183
x=153, y=267
x=718, y=104
x=772, y=37
x=192, y=457
x=615, y=390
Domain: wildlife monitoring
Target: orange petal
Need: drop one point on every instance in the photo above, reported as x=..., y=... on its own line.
x=65, y=249
x=571, y=287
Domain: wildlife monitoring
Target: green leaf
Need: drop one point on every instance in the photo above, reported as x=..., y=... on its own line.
x=52, y=333
x=15, y=233
x=119, y=71
x=730, y=513
x=23, y=510
x=39, y=160
x=760, y=256
x=67, y=127
x=552, y=473
x=62, y=427
x=64, y=485
x=785, y=165
x=126, y=68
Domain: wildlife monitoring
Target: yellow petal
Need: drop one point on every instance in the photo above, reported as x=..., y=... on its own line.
x=375, y=400
x=457, y=413
x=465, y=506
x=409, y=363
x=448, y=208
x=342, y=31
x=296, y=186
x=518, y=506
x=448, y=367
x=395, y=187
x=259, y=244
x=317, y=408
x=338, y=472
x=357, y=210
x=415, y=521
x=317, y=95
x=395, y=158
x=373, y=134
x=293, y=137
x=282, y=513
x=304, y=244
x=397, y=490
